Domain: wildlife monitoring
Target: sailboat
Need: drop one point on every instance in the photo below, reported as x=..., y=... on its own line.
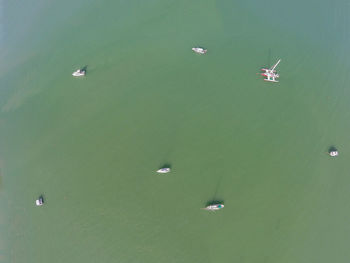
x=214, y=207
x=79, y=73
x=270, y=73
x=199, y=50
x=39, y=201
x=163, y=170
x=333, y=153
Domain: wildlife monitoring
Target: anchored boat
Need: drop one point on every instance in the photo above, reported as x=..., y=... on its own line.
x=79, y=73
x=163, y=170
x=333, y=153
x=199, y=50
x=270, y=73
x=39, y=201
x=214, y=207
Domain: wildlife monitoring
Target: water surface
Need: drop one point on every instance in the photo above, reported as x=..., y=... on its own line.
x=91, y=145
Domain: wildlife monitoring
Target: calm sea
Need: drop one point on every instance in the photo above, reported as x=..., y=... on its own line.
x=91, y=145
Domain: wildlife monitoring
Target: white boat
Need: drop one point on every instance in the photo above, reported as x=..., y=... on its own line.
x=333, y=153
x=199, y=50
x=163, y=170
x=39, y=201
x=79, y=73
x=214, y=207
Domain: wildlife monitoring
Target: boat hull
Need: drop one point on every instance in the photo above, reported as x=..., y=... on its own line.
x=39, y=202
x=163, y=170
x=271, y=80
x=78, y=73
x=199, y=50
x=214, y=207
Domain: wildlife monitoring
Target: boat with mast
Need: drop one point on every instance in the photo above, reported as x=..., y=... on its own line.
x=214, y=207
x=163, y=170
x=79, y=73
x=333, y=153
x=39, y=201
x=199, y=50
x=270, y=73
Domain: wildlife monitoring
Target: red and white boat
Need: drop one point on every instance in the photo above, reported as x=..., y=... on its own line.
x=270, y=73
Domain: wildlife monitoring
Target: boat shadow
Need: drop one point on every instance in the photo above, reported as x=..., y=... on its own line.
x=269, y=57
x=332, y=148
x=165, y=165
x=217, y=188
x=268, y=65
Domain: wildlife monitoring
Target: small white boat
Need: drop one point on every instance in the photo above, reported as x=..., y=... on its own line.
x=163, y=170
x=39, y=201
x=333, y=153
x=199, y=50
x=79, y=73
x=214, y=207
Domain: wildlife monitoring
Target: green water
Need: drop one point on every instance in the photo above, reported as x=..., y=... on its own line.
x=91, y=145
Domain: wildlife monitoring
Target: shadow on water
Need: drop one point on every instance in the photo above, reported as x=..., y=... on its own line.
x=41, y=197
x=268, y=64
x=332, y=148
x=269, y=57
x=217, y=187
x=84, y=68
x=165, y=165
x=215, y=199
x=214, y=202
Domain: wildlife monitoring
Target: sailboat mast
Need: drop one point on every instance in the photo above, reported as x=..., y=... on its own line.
x=274, y=66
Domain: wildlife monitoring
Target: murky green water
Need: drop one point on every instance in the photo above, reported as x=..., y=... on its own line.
x=91, y=145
